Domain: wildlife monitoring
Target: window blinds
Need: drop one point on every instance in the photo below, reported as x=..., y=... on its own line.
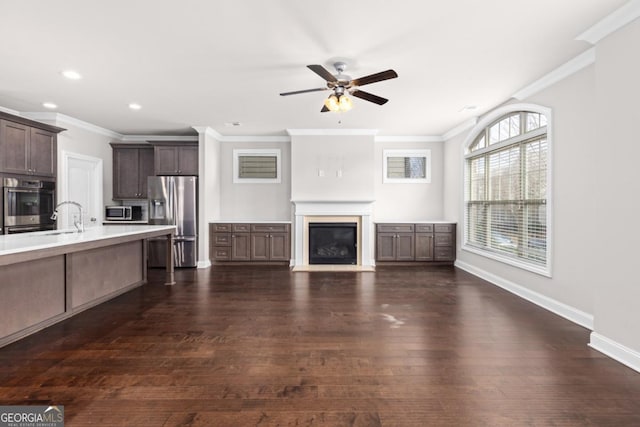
x=257, y=167
x=506, y=190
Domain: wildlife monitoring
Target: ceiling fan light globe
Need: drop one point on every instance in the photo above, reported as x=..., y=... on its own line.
x=332, y=103
x=345, y=103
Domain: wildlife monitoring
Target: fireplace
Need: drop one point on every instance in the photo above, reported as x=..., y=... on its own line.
x=333, y=243
x=329, y=213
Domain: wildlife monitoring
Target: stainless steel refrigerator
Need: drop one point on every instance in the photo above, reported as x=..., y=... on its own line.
x=173, y=200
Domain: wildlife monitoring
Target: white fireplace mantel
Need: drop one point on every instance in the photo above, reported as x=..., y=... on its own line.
x=333, y=208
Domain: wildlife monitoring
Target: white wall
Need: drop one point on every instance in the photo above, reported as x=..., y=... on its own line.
x=595, y=154
x=254, y=202
x=409, y=202
x=615, y=188
x=346, y=163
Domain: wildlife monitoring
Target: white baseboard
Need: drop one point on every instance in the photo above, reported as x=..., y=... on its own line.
x=615, y=350
x=570, y=313
x=204, y=264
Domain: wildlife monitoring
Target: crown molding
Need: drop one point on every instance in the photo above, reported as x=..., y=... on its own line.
x=248, y=138
x=417, y=138
x=208, y=131
x=611, y=23
x=466, y=125
x=10, y=111
x=570, y=67
x=332, y=132
x=62, y=119
x=141, y=138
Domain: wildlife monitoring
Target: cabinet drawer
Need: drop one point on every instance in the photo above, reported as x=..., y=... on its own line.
x=241, y=228
x=266, y=228
x=221, y=254
x=443, y=253
x=221, y=228
x=400, y=228
x=443, y=228
x=424, y=228
x=221, y=239
x=443, y=239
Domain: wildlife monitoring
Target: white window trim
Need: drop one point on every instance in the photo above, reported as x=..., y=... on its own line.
x=266, y=152
x=473, y=134
x=426, y=153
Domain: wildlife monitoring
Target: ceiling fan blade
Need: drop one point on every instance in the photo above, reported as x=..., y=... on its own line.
x=322, y=72
x=324, y=109
x=369, y=97
x=372, y=78
x=295, y=92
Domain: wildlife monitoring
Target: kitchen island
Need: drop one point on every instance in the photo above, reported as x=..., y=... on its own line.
x=46, y=277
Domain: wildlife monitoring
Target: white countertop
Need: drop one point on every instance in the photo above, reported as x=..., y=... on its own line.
x=416, y=222
x=246, y=221
x=124, y=222
x=24, y=242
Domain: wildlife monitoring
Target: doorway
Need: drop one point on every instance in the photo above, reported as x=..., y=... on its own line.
x=81, y=182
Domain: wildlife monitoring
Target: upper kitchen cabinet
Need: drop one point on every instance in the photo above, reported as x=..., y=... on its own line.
x=27, y=147
x=132, y=164
x=175, y=158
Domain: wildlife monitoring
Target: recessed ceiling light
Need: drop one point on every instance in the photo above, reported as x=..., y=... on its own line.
x=49, y=105
x=72, y=74
x=135, y=106
x=230, y=124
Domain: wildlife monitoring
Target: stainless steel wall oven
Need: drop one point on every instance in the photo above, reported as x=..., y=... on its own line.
x=27, y=205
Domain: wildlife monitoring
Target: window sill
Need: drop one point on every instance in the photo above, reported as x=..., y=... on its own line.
x=543, y=271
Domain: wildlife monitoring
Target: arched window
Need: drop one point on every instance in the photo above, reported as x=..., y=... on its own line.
x=506, y=190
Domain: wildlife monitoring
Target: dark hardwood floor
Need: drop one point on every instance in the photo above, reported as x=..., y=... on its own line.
x=268, y=347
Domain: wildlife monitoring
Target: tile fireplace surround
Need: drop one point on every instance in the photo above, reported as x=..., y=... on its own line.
x=333, y=211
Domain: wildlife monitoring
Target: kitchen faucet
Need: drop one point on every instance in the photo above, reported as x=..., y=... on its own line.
x=79, y=224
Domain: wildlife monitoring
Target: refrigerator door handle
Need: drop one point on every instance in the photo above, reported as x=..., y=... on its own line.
x=185, y=239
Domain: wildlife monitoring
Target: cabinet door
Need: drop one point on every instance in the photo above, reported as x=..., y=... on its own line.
x=386, y=246
x=166, y=162
x=145, y=169
x=240, y=247
x=424, y=247
x=260, y=246
x=126, y=183
x=405, y=247
x=279, y=247
x=188, y=160
x=42, y=152
x=14, y=147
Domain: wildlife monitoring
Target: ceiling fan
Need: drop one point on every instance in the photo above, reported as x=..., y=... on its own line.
x=341, y=84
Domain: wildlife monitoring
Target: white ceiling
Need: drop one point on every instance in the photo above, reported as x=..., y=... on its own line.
x=212, y=62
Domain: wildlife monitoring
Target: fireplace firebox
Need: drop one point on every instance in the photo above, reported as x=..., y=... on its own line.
x=333, y=243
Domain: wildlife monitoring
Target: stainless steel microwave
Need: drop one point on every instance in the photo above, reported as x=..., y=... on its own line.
x=122, y=213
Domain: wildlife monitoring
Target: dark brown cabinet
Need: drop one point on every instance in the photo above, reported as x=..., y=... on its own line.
x=27, y=147
x=240, y=242
x=444, y=238
x=395, y=242
x=250, y=242
x=415, y=242
x=424, y=242
x=175, y=158
x=132, y=164
x=270, y=242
